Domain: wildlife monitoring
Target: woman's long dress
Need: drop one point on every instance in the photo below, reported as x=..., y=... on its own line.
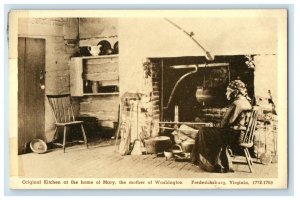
x=210, y=142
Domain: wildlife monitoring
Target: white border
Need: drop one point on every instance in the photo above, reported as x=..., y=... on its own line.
x=296, y=62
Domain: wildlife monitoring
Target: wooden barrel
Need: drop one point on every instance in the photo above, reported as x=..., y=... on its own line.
x=157, y=144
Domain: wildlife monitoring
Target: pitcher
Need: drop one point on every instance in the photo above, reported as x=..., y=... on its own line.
x=94, y=50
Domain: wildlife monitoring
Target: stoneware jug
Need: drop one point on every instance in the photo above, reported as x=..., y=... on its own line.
x=94, y=50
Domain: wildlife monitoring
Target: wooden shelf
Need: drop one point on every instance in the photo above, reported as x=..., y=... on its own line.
x=89, y=68
x=101, y=94
x=103, y=56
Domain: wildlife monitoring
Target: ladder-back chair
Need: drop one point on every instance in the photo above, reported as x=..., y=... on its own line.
x=64, y=116
x=247, y=134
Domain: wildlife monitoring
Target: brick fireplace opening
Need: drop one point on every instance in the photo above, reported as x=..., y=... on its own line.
x=175, y=81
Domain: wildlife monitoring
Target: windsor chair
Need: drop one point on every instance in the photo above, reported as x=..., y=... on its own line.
x=64, y=116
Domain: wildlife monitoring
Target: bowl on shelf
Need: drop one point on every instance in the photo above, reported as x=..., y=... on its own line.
x=116, y=48
x=84, y=51
x=105, y=48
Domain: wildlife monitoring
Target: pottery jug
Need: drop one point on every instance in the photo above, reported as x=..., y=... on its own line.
x=95, y=86
x=94, y=50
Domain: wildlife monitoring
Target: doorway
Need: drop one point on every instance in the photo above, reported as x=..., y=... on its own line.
x=31, y=91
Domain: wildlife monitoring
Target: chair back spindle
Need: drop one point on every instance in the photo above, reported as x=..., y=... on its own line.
x=247, y=134
x=62, y=108
x=251, y=120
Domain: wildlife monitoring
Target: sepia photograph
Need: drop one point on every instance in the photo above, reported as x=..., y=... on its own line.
x=148, y=99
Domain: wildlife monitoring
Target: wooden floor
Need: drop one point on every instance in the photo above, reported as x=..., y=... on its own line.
x=101, y=161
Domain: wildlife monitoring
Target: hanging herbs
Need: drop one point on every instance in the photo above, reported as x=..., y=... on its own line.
x=249, y=60
x=147, y=69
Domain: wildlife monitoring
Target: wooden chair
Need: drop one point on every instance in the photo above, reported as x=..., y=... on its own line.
x=64, y=117
x=247, y=135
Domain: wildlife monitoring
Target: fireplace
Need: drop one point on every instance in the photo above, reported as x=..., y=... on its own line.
x=175, y=81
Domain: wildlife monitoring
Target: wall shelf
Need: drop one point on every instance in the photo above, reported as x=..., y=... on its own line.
x=86, y=70
x=101, y=56
x=101, y=94
x=96, y=80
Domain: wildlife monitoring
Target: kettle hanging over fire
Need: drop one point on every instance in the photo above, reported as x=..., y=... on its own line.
x=202, y=93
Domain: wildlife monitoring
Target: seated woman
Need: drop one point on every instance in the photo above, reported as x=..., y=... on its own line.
x=210, y=141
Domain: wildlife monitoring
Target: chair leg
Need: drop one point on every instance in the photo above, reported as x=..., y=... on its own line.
x=249, y=156
x=249, y=161
x=84, y=136
x=64, y=141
